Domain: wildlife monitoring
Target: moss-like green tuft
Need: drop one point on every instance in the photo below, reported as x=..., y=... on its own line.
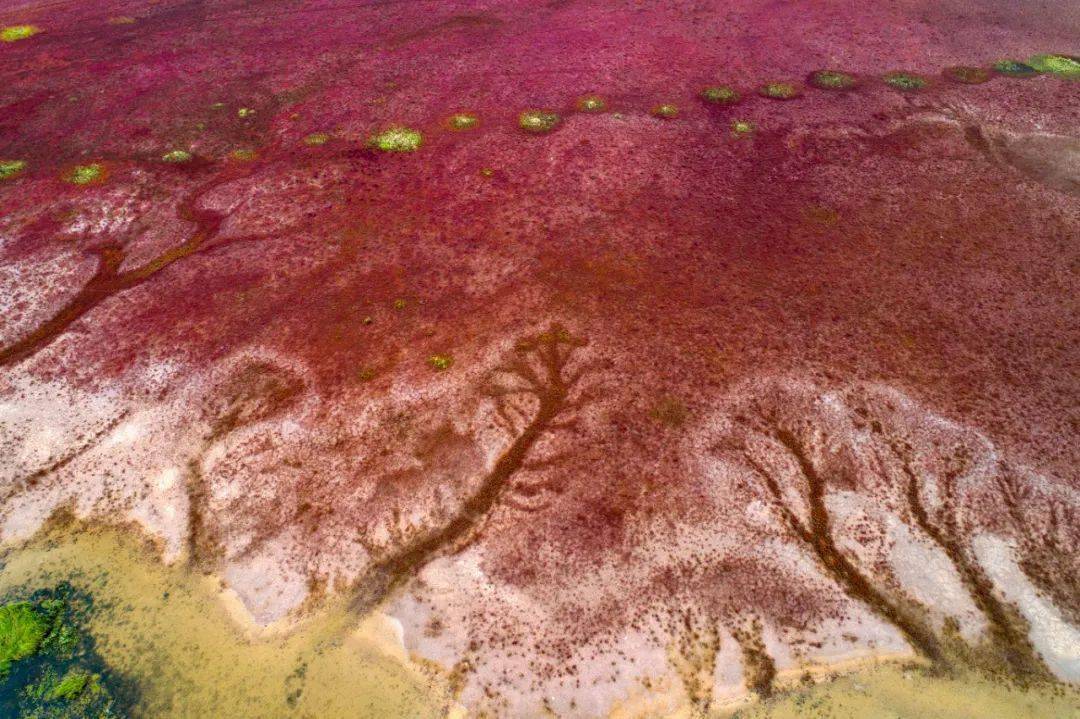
x=905, y=81
x=538, y=121
x=1063, y=65
x=397, y=139
x=440, y=362
x=14, y=33
x=742, y=128
x=665, y=111
x=780, y=91
x=11, y=168
x=85, y=174
x=591, y=103
x=21, y=631
x=176, y=156
x=832, y=80
x=461, y=121
x=719, y=94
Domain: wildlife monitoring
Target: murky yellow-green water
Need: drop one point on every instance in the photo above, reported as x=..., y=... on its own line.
x=889, y=692
x=169, y=630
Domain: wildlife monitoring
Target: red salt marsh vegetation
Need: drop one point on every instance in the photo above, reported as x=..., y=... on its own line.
x=612, y=349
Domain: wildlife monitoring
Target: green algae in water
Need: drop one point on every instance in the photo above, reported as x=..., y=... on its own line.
x=1062, y=65
x=779, y=91
x=62, y=676
x=70, y=687
x=21, y=631
x=397, y=139
x=538, y=121
x=905, y=81
x=719, y=95
x=170, y=634
x=85, y=174
x=11, y=168
x=1014, y=68
x=832, y=80
x=77, y=694
x=14, y=33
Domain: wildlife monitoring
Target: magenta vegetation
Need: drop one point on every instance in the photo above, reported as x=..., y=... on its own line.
x=628, y=368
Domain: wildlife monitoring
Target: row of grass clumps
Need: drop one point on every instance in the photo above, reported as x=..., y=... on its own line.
x=49, y=668
x=397, y=139
x=540, y=121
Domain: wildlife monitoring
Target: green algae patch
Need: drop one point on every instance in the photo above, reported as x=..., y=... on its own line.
x=665, y=111
x=832, y=80
x=243, y=155
x=77, y=694
x=742, y=128
x=397, y=139
x=905, y=81
x=538, y=122
x=719, y=95
x=177, y=156
x=316, y=138
x=189, y=650
x=21, y=632
x=245, y=112
x=1061, y=65
x=461, y=121
x=591, y=103
x=11, y=168
x=440, y=362
x=780, y=90
x=69, y=687
x=966, y=75
x=14, y=33
x=86, y=174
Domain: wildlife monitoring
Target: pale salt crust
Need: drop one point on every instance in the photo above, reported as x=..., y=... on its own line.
x=139, y=465
x=30, y=287
x=1056, y=639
